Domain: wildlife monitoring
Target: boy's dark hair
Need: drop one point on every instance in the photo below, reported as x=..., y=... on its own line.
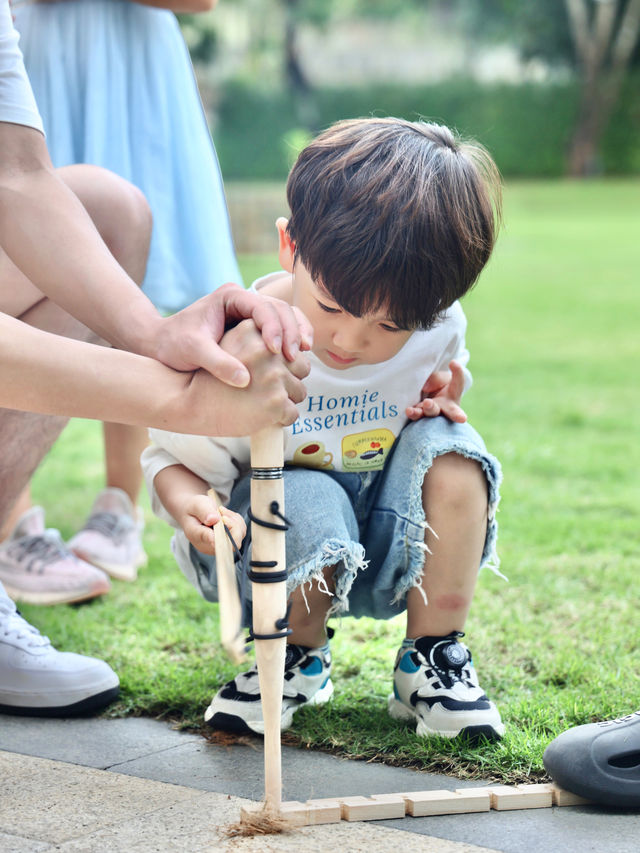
x=394, y=215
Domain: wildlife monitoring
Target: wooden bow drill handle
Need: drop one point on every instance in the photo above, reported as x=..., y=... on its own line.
x=231, y=634
x=269, y=599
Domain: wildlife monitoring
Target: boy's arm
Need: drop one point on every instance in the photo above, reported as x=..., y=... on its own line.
x=184, y=496
x=444, y=387
x=441, y=395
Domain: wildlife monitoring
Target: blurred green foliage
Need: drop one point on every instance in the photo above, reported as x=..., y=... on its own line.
x=526, y=127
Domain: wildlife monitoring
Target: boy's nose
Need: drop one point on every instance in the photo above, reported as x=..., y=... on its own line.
x=349, y=337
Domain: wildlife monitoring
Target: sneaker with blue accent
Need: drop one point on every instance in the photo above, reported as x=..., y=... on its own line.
x=435, y=683
x=237, y=706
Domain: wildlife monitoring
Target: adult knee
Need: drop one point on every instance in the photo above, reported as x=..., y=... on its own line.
x=119, y=211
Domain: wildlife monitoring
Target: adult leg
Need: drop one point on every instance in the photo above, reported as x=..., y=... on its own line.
x=123, y=218
x=111, y=537
x=35, y=678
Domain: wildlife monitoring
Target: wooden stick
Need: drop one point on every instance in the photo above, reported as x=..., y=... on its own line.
x=231, y=635
x=269, y=599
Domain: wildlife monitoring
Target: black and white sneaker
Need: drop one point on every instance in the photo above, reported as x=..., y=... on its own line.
x=237, y=706
x=435, y=683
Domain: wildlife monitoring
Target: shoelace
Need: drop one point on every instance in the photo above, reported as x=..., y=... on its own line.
x=15, y=625
x=43, y=548
x=109, y=524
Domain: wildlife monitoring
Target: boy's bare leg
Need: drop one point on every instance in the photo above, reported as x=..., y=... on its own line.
x=434, y=681
x=122, y=216
x=308, y=625
x=455, y=500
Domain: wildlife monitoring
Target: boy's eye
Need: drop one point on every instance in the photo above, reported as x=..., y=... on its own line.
x=328, y=308
x=388, y=328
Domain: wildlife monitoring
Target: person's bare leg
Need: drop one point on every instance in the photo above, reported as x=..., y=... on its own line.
x=123, y=444
x=307, y=619
x=22, y=504
x=121, y=212
x=455, y=501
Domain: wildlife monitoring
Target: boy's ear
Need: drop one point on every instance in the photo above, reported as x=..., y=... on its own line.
x=286, y=246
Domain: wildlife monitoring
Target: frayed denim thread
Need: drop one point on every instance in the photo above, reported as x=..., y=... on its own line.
x=349, y=559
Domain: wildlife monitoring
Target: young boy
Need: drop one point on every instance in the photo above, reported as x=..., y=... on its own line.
x=390, y=494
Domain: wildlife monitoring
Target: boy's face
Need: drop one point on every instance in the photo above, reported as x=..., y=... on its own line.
x=340, y=340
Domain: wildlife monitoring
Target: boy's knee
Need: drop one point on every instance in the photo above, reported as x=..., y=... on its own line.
x=457, y=482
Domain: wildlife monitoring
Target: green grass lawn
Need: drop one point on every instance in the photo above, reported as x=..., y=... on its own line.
x=554, y=341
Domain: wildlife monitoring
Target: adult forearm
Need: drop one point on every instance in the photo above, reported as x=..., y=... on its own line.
x=45, y=373
x=49, y=236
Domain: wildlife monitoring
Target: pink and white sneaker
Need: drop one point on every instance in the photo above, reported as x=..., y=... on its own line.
x=111, y=538
x=36, y=567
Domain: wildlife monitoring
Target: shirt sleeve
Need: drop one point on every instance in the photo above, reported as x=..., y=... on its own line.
x=17, y=103
x=218, y=461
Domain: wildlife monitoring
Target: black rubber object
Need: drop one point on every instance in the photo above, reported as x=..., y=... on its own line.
x=599, y=761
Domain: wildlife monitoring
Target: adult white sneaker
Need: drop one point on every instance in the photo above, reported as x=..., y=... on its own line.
x=38, y=680
x=36, y=567
x=111, y=538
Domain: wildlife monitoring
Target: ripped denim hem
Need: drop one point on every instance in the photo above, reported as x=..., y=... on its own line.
x=348, y=558
x=415, y=544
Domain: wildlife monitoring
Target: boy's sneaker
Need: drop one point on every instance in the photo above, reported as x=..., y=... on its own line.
x=37, y=680
x=435, y=683
x=236, y=707
x=111, y=538
x=36, y=567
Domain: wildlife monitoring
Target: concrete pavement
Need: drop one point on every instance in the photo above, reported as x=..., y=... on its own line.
x=137, y=784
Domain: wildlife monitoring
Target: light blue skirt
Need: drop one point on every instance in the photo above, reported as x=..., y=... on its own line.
x=115, y=87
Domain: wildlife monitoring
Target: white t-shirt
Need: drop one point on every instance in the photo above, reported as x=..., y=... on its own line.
x=17, y=103
x=348, y=422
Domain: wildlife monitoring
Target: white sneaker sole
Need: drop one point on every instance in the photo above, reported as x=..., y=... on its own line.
x=55, y=703
x=489, y=725
x=56, y=596
x=118, y=571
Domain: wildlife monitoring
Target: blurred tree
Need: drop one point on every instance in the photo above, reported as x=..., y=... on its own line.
x=199, y=33
x=598, y=38
x=605, y=36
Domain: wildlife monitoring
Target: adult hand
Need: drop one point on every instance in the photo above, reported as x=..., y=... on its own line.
x=189, y=339
x=270, y=397
x=441, y=395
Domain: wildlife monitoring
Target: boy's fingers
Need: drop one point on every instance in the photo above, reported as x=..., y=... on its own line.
x=456, y=386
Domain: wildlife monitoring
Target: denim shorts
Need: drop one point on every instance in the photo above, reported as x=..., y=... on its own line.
x=369, y=525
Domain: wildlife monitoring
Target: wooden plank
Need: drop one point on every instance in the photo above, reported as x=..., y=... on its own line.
x=366, y=808
x=506, y=797
x=324, y=811
x=566, y=798
x=423, y=803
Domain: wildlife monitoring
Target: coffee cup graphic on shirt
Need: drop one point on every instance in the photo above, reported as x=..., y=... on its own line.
x=313, y=454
